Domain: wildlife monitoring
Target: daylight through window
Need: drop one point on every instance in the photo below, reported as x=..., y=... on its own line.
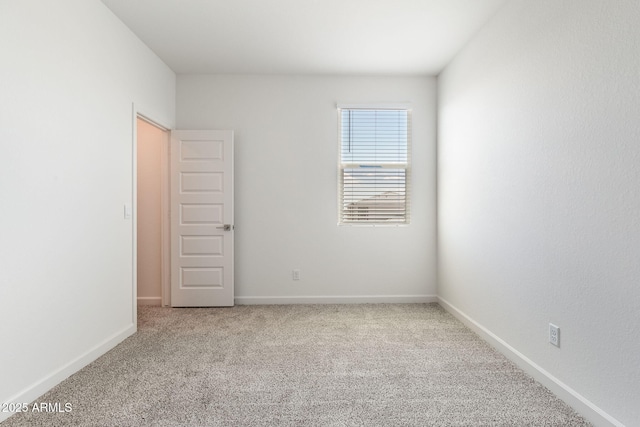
x=374, y=166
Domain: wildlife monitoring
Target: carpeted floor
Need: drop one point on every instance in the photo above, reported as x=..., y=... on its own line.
x=302, y=365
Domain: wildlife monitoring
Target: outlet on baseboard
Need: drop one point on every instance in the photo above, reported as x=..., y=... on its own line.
x=554, y=334
x=295, y=274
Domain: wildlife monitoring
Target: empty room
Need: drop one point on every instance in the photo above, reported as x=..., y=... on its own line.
x=320, y=212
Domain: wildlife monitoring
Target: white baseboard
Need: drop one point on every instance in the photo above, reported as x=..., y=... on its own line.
x=34, y=391
x=574, y=399
x=352, y=299
x=149, y=300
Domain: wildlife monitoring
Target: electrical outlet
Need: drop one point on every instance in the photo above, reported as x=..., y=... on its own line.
x=295, y=274
x=554, y=335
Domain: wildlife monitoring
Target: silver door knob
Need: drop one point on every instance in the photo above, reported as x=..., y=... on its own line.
x=226, y=227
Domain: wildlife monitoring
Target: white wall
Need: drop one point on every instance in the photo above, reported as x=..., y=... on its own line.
x=286, y=182
x=538, y=191
x=69, y=73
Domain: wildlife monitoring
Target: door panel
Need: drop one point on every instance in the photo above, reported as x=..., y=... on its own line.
x=201, y=206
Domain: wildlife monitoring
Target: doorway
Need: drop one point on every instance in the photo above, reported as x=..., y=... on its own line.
x=153, y=250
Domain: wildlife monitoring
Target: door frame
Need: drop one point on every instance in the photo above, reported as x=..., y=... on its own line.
x=165, y=232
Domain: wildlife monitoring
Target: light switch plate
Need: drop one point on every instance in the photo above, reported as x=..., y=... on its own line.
x=554, y=334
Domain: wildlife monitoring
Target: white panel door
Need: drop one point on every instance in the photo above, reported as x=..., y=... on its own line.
x=201, y=218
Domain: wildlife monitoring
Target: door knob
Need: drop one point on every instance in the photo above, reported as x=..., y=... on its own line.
x=226, y=227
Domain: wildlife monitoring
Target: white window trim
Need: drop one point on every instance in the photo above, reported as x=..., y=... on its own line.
x=381, y=106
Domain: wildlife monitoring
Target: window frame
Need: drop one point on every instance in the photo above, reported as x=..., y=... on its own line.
x=406, y=166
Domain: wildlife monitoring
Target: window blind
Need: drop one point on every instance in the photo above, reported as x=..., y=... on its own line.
x=374, y=166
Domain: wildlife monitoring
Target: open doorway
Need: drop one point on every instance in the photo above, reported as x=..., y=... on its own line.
x=153, y=250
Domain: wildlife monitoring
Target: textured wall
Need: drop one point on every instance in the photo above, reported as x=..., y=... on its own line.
x=538, y=176
x=286, y=151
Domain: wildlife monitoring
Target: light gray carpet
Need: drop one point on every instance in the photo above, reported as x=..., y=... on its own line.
x=302, y=365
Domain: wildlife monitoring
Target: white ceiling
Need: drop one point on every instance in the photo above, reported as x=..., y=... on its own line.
x=305, y=36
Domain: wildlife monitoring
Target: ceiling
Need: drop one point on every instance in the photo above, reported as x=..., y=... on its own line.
x=390, y=37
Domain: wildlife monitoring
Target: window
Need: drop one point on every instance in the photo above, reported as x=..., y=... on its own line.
x=374, y=166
